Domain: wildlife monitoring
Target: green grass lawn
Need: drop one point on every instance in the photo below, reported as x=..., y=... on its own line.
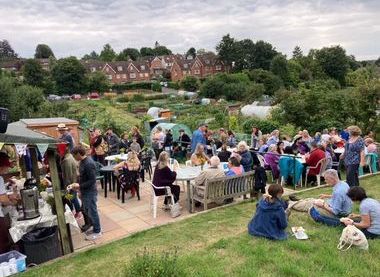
x=217, y=244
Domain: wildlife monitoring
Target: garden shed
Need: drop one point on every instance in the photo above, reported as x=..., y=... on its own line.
x=174, y=128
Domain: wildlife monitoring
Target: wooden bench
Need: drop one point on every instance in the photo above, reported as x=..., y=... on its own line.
x=220, y=189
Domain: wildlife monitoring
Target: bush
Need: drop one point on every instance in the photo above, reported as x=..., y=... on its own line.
x=154, y=265
x=138, y=98
x=156, y=87
x=133, y=86
x=190, y=83
x=173, y=85
x=265, y=125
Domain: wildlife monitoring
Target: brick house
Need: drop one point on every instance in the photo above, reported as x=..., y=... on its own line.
x=175, y=67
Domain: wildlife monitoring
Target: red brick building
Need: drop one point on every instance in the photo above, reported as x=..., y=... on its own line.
x=175, y=67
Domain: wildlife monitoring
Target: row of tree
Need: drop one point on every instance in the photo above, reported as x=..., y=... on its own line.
x=42, y=51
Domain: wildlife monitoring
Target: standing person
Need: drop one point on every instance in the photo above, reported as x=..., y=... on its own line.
x=198, y=137
x=163, y=177
x=65, y=135
x=135, y=131
x=353, y=155
x=184, y=141
x=338, y=204
x=88, y=190
x=69, y=168
x=99, y=146
x=5, y=201
x=369, y=213
x=168, y=142
x=134, y=146
x=158, y=139
x=113, y=142
x=255, y=137
x=270, y=219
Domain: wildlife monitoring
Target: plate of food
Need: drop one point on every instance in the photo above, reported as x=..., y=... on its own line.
x=299, y=233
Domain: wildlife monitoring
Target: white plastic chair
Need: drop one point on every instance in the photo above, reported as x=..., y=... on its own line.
x=188, y=163
x=322, y=169
x=154, y=200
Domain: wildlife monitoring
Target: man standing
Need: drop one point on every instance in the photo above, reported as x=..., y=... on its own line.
x=113, y=142
x=339, y=204
x=65, y=135
x=198, y=137
x=87, y=187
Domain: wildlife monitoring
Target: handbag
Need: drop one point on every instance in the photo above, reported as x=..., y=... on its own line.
x=351, y=235
x=102, y=148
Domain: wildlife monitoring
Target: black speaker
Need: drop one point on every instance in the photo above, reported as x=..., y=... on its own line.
x=4, y=119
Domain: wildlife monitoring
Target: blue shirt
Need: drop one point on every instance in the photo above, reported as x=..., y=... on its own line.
x=340, y=203
x=198, y=137
x=371, y=207
x=352, y=152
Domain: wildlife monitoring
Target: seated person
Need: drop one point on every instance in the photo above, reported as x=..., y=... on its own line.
x=339, y=205
x=270, y=219
x=163, y=176
x=235, y=168
x=224, y=154
x=131, y=164
x=212, y=172
x=369, y=213
x=312, y=159
x=271, y=159
x=199, y=157
x=246, y=157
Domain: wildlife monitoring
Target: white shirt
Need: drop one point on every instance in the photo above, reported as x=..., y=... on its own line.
x=2, y=191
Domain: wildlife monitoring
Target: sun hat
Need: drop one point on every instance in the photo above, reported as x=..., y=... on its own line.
x=61, y=126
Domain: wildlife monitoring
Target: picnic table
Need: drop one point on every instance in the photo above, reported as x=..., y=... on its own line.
x=111, y=158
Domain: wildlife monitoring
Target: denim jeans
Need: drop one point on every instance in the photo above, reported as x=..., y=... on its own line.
x=352, y=171
x=89, y=203
x=370, y=235
x=75, y=202
x=328, y=220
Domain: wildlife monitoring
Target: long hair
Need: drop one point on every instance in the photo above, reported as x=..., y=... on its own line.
x=163, y=160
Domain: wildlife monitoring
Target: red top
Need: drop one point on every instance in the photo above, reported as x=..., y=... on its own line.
x=315, y=156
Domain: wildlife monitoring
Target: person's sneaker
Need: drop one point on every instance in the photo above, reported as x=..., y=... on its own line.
x=294, y=197
x=89, y=231
x=94, y=236
x=85, y=227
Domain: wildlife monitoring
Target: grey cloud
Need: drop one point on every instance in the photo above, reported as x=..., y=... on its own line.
x=77, y=27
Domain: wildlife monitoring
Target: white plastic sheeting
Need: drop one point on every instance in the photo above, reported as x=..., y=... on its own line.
x=261, y=112
x=153, y=112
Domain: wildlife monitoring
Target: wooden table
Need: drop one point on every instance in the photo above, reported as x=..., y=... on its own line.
x=189, y=173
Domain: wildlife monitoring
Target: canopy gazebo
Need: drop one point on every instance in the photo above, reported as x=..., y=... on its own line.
x=18, y=133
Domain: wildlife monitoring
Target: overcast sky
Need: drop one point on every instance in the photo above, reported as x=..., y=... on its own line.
x=76, y=27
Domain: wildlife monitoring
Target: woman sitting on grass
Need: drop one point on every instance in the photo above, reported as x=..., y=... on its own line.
x=369, y=213
x=270, y=220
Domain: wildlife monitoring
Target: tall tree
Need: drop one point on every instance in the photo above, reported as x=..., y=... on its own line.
x=146, y=51
x=69, y=75
x=128, y=53
x=297, y=53
x=107, y=54
x=279, y=67
x=243, y=54
x=263, y=54
x=97, y=81
x=92, y=56
x=27, y=101
x=334, y=62
x=162, y=50
x=6, y=50
x=191, y=53
x=226, y=49
x=43, y=51
x=33, y=73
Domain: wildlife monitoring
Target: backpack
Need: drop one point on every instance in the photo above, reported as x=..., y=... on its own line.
x=260, y=178
x=352, y=236
x=102, y=148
